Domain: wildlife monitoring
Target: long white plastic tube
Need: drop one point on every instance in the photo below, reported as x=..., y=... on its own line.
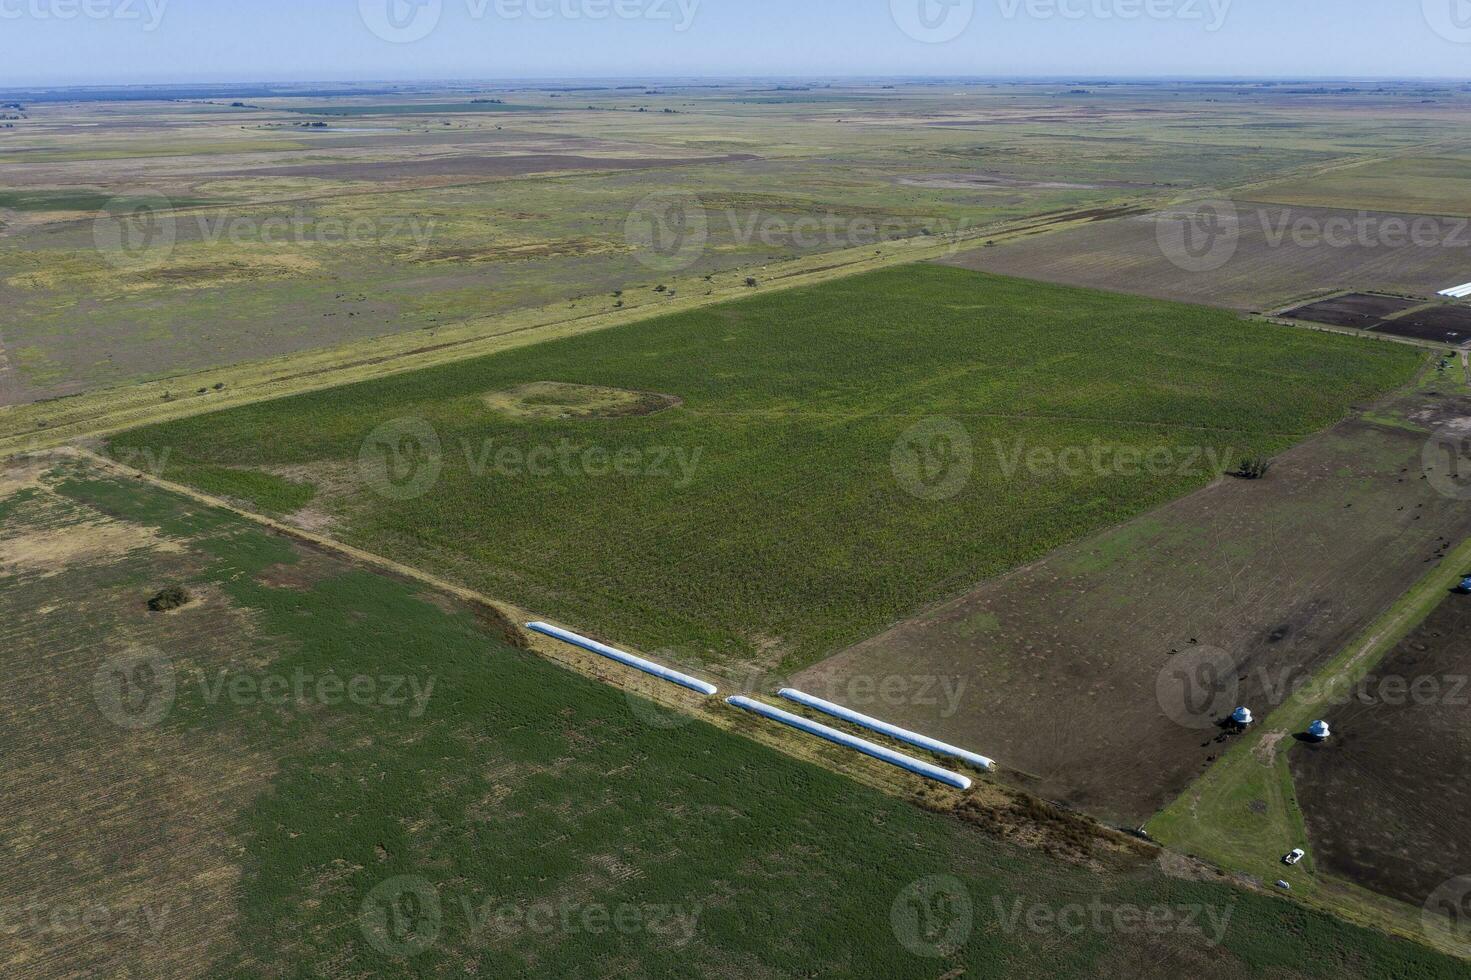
x=884, y=728
x=853, y=742
x=628, y=659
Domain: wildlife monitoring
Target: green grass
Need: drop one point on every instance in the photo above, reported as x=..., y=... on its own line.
x=523, y=787
x=764, y=516
x=80, y=200
x=268, y=493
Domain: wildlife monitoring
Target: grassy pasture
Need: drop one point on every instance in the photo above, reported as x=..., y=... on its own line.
x=556, y=829
x=416, y=109
x=766, y=520
x=1433, y=184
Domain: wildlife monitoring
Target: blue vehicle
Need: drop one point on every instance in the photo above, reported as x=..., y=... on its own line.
x=1465, y=587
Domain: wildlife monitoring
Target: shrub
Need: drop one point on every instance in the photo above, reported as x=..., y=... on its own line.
x=1253, y=468
x=170, y=598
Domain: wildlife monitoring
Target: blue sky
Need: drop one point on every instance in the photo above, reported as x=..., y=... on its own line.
x=122, y=41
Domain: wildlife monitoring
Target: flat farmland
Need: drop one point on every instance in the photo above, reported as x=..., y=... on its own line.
x=1385, y=802
x=1431, y=183
x=472, y=204
x=831, y=460
x=186, y=785
x=1270, y=255
x=1067, y=663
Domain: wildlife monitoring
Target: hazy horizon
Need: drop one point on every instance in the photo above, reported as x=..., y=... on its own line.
x=51, y=43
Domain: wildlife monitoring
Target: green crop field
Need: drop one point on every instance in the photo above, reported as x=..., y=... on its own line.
x=476, y=809
x=834, y=457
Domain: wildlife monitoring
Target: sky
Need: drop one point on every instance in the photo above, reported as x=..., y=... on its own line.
x=56, y=42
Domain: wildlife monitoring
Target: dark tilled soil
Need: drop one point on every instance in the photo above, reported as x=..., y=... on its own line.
x=1444, y=324
x=1362, y=310
x=1387, y=801
x=1057, y=665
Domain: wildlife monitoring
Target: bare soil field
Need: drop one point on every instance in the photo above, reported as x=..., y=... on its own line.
x=1058, y=667
x=1267, y=267
x=1364, y=311
x=1386, y=801
x=1444, y=324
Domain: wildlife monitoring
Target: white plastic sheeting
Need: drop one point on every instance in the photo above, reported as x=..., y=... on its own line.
x=628, y=659
x=1457, y=292
x=884, y=728
x=853, y=742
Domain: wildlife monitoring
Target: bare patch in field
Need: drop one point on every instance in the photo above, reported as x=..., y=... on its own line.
x=50, y=551
x=542, y=401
